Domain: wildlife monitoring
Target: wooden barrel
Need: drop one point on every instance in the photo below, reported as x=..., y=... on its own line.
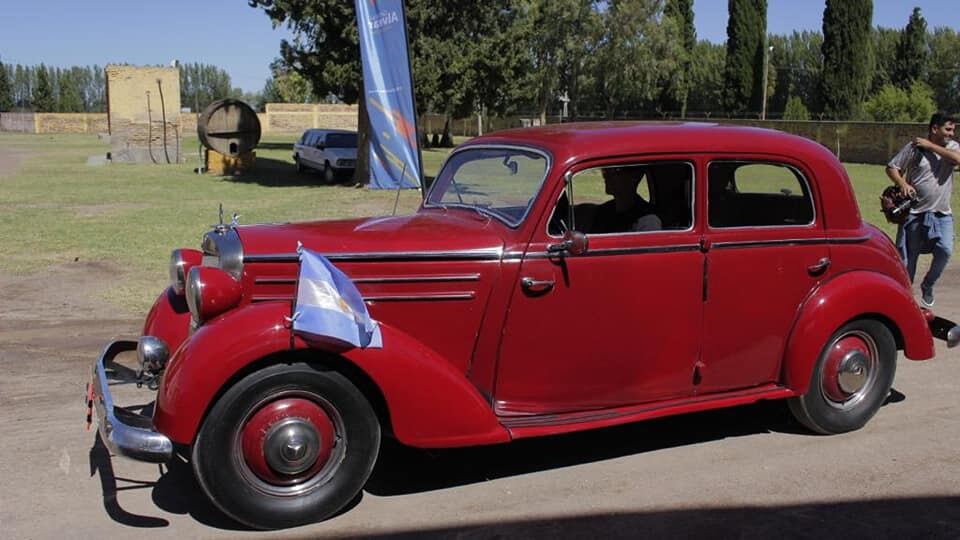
x=229, y=126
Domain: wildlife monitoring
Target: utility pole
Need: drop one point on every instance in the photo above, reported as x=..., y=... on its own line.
x=766, y=68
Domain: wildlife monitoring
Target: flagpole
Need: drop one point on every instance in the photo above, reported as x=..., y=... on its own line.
x=413, y=97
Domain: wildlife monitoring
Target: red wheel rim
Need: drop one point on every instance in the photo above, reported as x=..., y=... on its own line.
x=849, y=369
x=288, y=441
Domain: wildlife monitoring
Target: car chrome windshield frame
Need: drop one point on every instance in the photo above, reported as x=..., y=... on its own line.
x=485, y=211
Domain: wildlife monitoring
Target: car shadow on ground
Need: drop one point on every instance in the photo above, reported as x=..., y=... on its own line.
x=402, y=470
x=277, y=173
x=898, y=518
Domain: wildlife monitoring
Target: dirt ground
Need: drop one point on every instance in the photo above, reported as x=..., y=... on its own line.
x=748, y=472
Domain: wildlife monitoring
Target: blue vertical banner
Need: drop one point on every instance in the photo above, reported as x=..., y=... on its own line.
x=388, y=85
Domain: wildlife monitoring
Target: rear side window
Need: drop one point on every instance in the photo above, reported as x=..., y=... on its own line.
x=744, y=194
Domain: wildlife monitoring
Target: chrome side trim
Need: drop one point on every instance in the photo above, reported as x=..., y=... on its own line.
x=466, y=255
x=789, y=241
x=121, y=436
x=274, y=281
x=675, y=248
x=420, y=297
x=417, y=279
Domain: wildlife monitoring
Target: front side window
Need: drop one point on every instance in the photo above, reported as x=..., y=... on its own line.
x=497, y=181
x=744, y=194
x=632, y=198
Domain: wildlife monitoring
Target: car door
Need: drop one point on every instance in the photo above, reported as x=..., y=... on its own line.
x=616, y=325
x=766, y=251
x=312, y=153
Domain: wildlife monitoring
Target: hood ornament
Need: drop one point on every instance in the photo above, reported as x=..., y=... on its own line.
x=221, y=227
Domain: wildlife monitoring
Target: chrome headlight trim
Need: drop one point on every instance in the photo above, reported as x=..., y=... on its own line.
x=194, y=294
x=222, y=249
x=153, y=354
x=178, y=278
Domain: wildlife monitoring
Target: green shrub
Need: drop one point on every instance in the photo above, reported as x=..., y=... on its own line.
x=795, y=110
x=892, y=104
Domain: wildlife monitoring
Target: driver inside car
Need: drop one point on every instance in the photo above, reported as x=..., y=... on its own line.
x=627, y=211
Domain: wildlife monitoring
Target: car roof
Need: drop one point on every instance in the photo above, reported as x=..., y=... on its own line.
x=575, y=141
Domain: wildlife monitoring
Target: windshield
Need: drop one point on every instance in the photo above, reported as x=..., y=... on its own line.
x=341, y=140
x=501, y=182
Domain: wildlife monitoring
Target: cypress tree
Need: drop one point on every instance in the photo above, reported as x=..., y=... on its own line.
x=746, y=42
x=677, y=89
x=847, y=56
x=912, y=52
x=43, y=100
x=6, y=94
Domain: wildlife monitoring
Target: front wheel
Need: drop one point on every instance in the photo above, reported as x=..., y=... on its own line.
x=329, y=175
x=286, y=446
x=851, y=381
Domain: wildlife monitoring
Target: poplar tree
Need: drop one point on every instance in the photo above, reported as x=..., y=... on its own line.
x=912, y=52
x=847, y=57
x=43, y=99
x=746, y=42
x=6, y=94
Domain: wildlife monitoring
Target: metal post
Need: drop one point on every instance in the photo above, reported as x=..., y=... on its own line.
x=766, y=68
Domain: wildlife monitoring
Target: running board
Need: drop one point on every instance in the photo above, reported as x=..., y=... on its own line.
x=552, y=424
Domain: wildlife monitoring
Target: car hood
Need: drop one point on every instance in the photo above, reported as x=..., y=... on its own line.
x=427, y=233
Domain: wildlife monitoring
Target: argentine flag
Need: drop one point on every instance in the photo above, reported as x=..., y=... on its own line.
x=329, y=306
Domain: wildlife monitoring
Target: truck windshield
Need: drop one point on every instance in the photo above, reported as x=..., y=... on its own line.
x=500, y=182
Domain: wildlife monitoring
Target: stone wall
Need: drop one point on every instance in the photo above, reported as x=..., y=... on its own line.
x=20, y=122
x=71, y=123
x=296, y=117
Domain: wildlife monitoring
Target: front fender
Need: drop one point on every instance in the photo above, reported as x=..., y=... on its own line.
x=168, y=319
x=846, y=297
x=429, y=402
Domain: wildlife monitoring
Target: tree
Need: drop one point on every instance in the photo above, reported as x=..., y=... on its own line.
x=634, y=51
x=912, y=52
x=71, y=99
x=944, y=68
x=795, y=110
x=847, y=56
x=885, y=43
x=746, y=44
x=202, y=84
x=676, y=89
x=43, y=99
x=6, y=93
x=894, y=104
x=795, y=66
x=706, y=78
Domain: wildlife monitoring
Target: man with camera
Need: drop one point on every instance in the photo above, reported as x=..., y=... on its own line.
x=923, y=170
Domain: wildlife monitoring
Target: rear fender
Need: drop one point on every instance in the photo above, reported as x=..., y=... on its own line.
x=848, y=296
x=430, y=404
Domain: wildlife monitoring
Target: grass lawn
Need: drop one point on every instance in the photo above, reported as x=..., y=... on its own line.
x=57, y=209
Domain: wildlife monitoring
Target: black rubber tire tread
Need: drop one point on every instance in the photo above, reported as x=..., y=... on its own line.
x=221, y=480
x=329, y=176
x=812, y=409
x=300, y=166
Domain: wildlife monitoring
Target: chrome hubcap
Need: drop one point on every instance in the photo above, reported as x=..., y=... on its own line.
x=850, y=369
x=291, y=446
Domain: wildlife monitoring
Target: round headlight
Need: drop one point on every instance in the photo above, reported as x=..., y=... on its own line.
x=181, y=261
x=210, y=292
x=153, y=354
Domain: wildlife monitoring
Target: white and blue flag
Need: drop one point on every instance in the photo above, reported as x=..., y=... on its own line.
x=329, y=306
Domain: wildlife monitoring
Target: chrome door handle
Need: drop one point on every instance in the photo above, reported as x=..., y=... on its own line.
x=820, y=267
x=537, y=286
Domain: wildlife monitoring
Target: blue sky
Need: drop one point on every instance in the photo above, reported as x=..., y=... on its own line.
x=240, y=39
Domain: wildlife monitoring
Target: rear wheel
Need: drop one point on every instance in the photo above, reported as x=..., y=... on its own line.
x=851, y=381
x=287, y=445
x=300, y=167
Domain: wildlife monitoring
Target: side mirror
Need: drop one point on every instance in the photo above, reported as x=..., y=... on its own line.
x=320, y=146
x=574, y=243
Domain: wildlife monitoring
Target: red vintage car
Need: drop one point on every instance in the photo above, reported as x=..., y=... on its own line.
x=555, y=279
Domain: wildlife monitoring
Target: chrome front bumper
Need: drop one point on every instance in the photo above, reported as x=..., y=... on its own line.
x=125, y=432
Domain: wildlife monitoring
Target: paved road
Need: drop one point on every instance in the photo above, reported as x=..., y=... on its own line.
x=742, y=473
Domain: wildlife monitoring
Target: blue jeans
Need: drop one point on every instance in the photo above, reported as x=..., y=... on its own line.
x=929, y=232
